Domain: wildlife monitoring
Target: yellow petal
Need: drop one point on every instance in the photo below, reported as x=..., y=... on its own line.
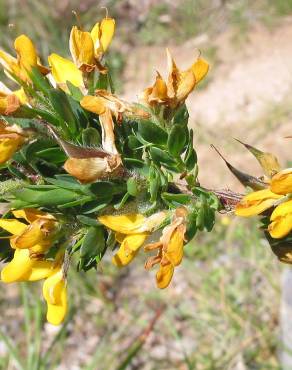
x=14, y=227
x=26, y=52
x=23, y=268
x=21, y=96
x=3, y=105
x=86, y=170
x=107, y=28
x=128, y=249
x=8, y=146
x=32, y=214
x=281, y=210
x=64, y=70
x=102, y=34
x=55, y=294
x=175, y=250
x=200, y=68
x=81, y=47
x=41, y=248
x=95, y=35
x=164, y=275
x=173, y=75
x=281, y=183
x=9, y=62
x=32, y=235
x=281, y=227
x=256, y=203
x=125, y=224
x=40, y=270
x=185, y=86
x=18, y=269
x=281, y=218
x=93, y=104
x=158, y=93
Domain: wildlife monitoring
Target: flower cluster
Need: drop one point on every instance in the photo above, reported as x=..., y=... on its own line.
x=277, y=196
x=84, y=172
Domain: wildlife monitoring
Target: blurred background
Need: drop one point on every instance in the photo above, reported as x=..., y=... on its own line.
x=222, y=310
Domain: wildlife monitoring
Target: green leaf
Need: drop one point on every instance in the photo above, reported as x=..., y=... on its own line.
x=123, y=201
x=89, y=221
x=78, y=202
x=176, y=140
x=154, y=183
x=74, y=91
x=133, y=143
x=132, y=162
x=52, y=197
x=39, y=81
x=67, y=182
x=192, y=224
x=15, y=172
x=181, y=116
x=132, y=187
x=191, y=160
x=96, y=205
x=54, y=155
x=91, y=137
x=162, y=157
x=177, y=198
x=47, y=116
x=93, y=242
x=152, y=133
x=62, y=107
x=191, y=155
x=102, y=188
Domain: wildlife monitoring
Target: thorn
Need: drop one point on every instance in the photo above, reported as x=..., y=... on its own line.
x=217, y=151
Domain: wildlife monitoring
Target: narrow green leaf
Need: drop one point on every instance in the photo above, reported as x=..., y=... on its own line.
x=62, y=107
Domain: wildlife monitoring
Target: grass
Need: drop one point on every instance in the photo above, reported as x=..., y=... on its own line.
x=221, y=310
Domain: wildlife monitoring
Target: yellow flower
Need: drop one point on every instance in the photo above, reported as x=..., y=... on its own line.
x=281, y=183
x=87, y=48
x=131, y=232
x=170, y=249
x=91, y=168
x=178, y=86
x=37, y=236
x=55, y=294
x=24, y=267
x=277, y=195
x=10, y=101
x=104, y=100
x=11, y=139
x=64, y=70
x=256, y=202
x=27, y=58
x=102, y=34
x=82, y=49
x=281, y=220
